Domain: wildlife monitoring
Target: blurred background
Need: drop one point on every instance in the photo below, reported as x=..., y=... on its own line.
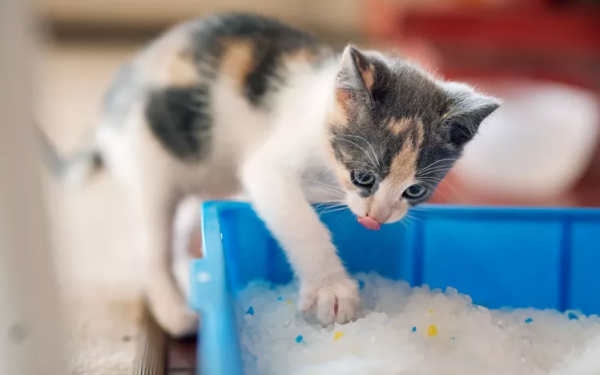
x=542, y=57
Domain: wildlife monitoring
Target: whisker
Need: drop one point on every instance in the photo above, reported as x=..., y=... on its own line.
x=454, y=190
x=335, y=209
x=435, y=162
x=323, y=185
x=414, y=217
x=330, y=211
x=333, y=200
x=329, y=204
x=325, y=188
x=408, y=222
x=360, y=162
x=308, y=179
x=433, y=188
x=437, y=168
x=325, y=197
x=325, y=171
x=369, y=144
x=432, y=171
x=338, y=193
x=374, y=164
x=333, y=203
x=348, y=211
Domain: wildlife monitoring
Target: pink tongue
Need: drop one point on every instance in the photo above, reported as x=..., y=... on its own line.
x=369, y=223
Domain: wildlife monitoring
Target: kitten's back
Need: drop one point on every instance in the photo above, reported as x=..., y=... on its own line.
x=179, y=75
x=250, y=50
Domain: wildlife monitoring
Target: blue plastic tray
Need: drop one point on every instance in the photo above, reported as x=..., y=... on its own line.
x=516, y=257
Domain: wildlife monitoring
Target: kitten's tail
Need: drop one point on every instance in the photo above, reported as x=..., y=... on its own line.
x=73, y=171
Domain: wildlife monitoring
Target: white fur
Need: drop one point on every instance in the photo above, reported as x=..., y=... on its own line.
x=267, y=155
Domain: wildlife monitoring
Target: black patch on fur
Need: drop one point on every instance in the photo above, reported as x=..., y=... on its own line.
x=264, y=72
x=179, y=117
x=271, y=41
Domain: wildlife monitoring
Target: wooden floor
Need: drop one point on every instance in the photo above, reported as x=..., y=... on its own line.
x=181, y=357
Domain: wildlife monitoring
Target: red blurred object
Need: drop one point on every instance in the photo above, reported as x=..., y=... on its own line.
x=536, y=39
x=553, y=31
x=542, y=45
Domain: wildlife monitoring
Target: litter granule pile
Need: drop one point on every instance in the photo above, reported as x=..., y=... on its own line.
x=414, y=331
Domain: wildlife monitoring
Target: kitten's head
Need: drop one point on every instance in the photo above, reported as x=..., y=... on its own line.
x=395, y=131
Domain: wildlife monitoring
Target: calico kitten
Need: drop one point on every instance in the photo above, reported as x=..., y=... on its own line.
x=241, y=103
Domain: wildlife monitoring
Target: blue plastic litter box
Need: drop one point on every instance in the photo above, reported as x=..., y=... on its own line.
x=515, y=257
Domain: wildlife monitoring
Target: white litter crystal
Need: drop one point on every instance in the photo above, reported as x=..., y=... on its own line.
x=414, y=331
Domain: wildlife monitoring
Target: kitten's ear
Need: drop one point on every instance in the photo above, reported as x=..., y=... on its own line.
x=467, y=111
x=356, y=77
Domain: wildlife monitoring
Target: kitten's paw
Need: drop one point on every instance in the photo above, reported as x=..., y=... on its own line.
x=334, y=301
x=178, y=323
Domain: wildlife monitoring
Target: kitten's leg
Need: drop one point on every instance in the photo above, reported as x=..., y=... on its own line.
x=155, y=182
x=165, y=299
x=187, y=242
x=279, y=199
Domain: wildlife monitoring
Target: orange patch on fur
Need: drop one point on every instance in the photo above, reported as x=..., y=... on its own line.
x=404, y=163
x=238, y=60
x=306, y=55
x=344, y=177
x=369, y=76
x=181, y=70
x=367, y=72
x=169, y=62
x=338, y=114
x=398, y=127
x=303, y=55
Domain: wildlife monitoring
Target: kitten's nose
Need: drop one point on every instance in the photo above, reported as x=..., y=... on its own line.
x=369, y=223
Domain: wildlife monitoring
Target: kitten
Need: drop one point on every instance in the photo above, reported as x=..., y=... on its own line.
x=241, y=103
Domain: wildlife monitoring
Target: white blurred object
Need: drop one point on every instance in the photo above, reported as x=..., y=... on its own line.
x=31, y=335
x=538, y=143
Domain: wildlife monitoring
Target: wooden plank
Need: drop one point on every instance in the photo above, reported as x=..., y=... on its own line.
x=152, y=348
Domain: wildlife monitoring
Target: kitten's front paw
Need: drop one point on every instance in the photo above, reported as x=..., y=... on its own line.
x=334, y=300
x=178, y=323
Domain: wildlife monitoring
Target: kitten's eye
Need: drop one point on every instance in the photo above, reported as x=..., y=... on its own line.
x=362, y=179
x=415, y=192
